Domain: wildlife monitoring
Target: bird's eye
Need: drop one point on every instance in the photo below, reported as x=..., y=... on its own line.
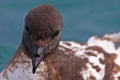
x=56, y=33
x=27, y=28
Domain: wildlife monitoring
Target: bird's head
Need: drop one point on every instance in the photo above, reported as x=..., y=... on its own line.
x=42, y=32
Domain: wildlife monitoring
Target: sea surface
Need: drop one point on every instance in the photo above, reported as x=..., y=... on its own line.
x=82, y=19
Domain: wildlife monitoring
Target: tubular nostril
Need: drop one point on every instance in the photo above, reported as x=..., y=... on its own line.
x=37, y=55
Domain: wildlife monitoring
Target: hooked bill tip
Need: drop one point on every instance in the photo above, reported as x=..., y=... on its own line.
x=34, y=70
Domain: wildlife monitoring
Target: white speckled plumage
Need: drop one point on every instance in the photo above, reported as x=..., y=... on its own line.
x=42, y=57
x=23, y=71
x=107, y=45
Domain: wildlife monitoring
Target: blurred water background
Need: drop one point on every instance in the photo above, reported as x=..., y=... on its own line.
x=82, y=19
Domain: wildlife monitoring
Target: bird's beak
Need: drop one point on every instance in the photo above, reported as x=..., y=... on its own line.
x=38, y=53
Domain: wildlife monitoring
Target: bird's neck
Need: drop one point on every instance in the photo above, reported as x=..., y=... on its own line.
x=20, y=65
x=22, y=56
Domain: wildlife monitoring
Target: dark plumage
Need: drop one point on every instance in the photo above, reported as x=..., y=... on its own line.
x=42, y=56
x=43, y=25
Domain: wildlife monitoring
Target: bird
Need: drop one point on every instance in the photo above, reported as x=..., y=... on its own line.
x=42, y=55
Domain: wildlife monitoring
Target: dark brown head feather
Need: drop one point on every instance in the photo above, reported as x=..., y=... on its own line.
x=43, y=20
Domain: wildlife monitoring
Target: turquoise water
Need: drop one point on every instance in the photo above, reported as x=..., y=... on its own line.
x=82, y=19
